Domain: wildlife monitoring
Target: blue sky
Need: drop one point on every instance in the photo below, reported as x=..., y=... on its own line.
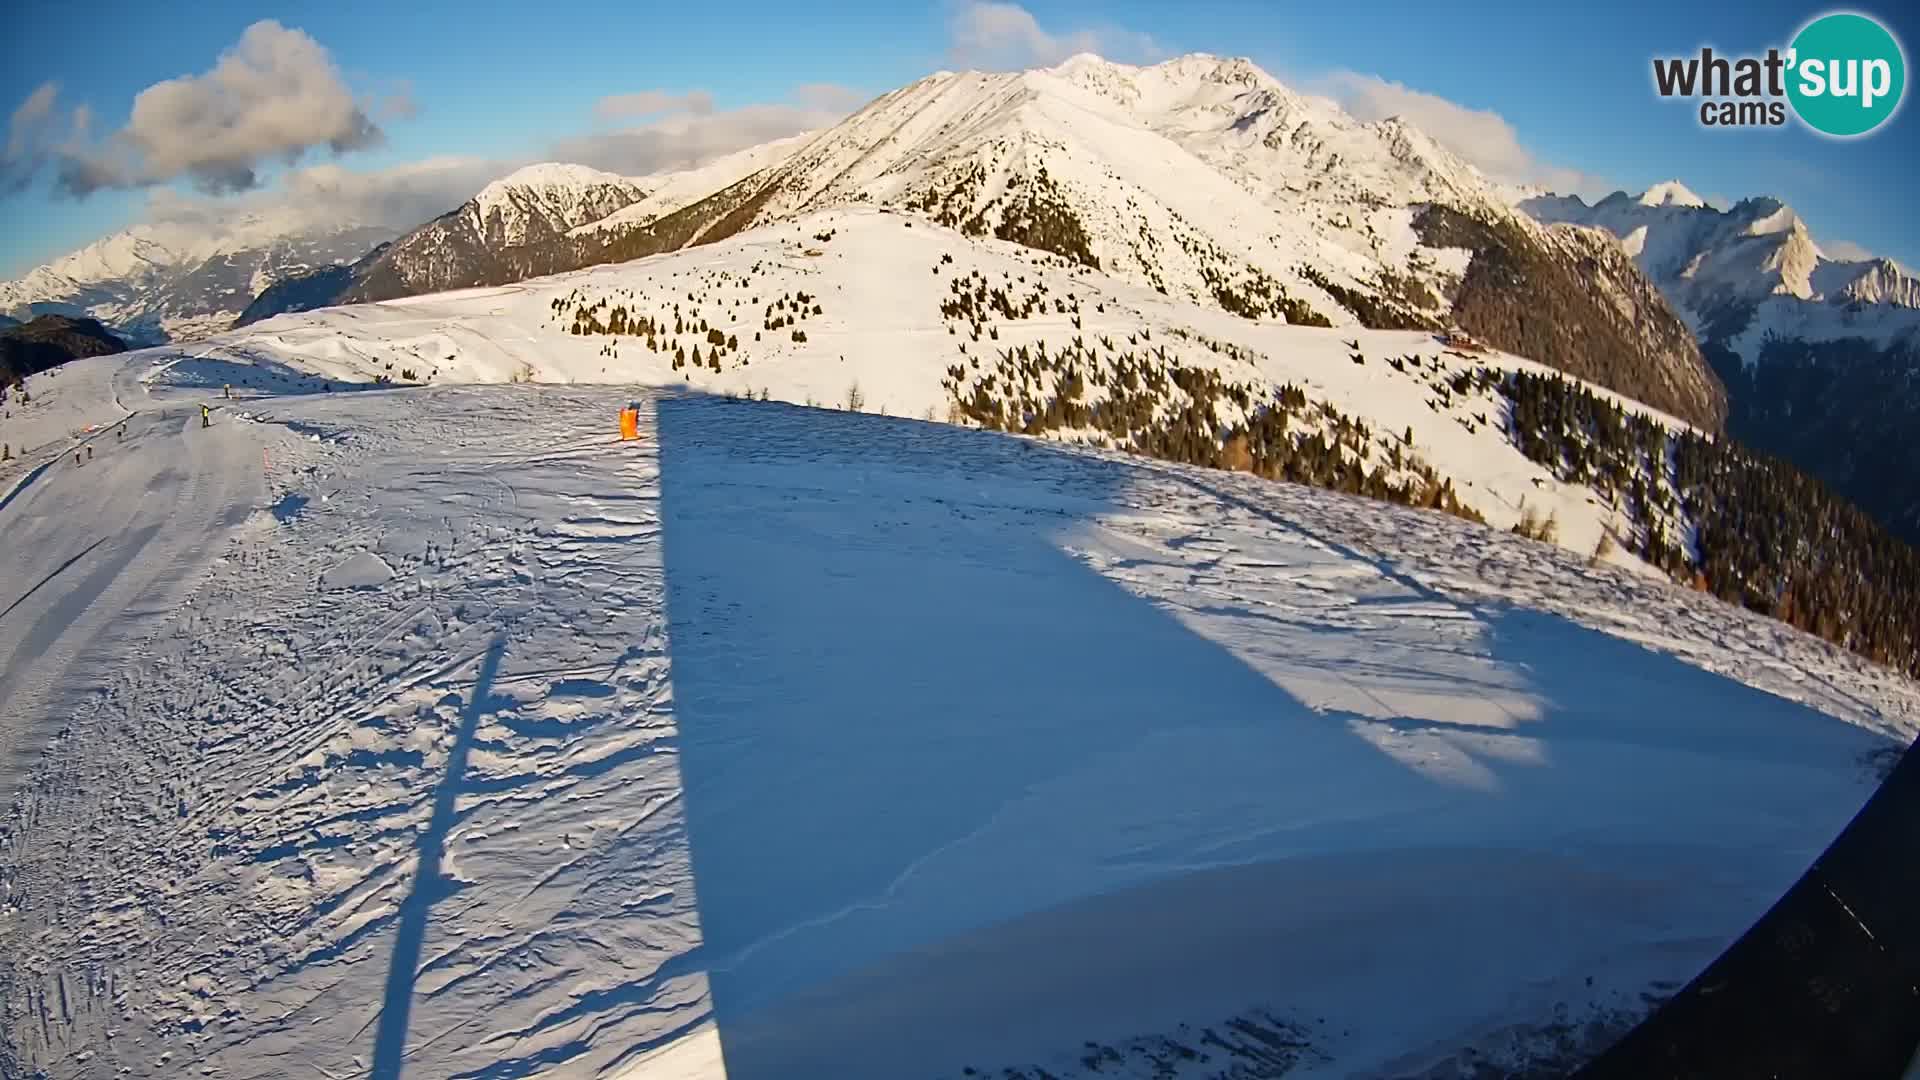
x=478, y=84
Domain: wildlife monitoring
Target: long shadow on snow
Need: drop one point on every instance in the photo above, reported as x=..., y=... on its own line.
x=1598, y=685
x=390, y=1041
x=876, y=656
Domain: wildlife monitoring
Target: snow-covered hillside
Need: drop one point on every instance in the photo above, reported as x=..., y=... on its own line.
x=539, y=204
x=1208, y=180
x=436, y=726
x=1193, y=175
x=1202, y=178
x=738, y=317
x=1753, y=271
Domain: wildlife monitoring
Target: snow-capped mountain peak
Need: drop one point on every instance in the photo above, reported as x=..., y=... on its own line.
x=491, y=234
x=1764, y=214
x=1084, y=62
x=1670, y=193
x=1720, y=266
x=1202, y=177
x=128, y=259
x=1878, y=281
x=553, y=176
x=1197, y=82
x=547, y=199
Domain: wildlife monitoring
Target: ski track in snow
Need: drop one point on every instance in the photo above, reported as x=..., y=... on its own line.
x=277, y=753
x=975, y=750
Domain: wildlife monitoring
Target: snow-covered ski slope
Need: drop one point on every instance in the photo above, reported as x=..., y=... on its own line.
x=880, y=280
x=435, y=732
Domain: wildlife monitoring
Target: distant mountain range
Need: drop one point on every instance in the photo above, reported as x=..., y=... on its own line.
x=1742, y=274
x=1821, y=356
x=534, y=207
x=494, y=237
x=155, y=283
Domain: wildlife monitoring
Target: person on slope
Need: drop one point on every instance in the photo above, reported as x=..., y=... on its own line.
x=205, y=417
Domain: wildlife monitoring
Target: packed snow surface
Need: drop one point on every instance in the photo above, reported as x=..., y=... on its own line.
x=438, y=729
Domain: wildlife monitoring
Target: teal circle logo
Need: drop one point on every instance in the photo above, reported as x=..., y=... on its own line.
x=1848, y=74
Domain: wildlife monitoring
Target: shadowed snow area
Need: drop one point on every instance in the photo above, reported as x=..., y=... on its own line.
x=437, y=733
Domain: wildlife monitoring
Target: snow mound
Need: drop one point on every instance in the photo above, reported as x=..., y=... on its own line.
x=364, y=570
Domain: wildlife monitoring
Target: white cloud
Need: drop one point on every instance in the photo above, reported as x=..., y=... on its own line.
x=329, y=195
x=400, y=103
x=29, y=116
x=831, y=97
x=686, y=131
x=1848, y=251
x=29, y=138
x=403, y=195
x=1003, y=36
x=653, y=103
x=271, y=98
x=1482, y=137
x=690, y=133
x=1845, y=251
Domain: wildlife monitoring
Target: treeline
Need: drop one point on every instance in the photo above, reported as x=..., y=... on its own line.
x=1845, y=411
x=1037, y=216
x=1241, y=288
x=1033, y=214
x=1764, y=534
x=1152, y=404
